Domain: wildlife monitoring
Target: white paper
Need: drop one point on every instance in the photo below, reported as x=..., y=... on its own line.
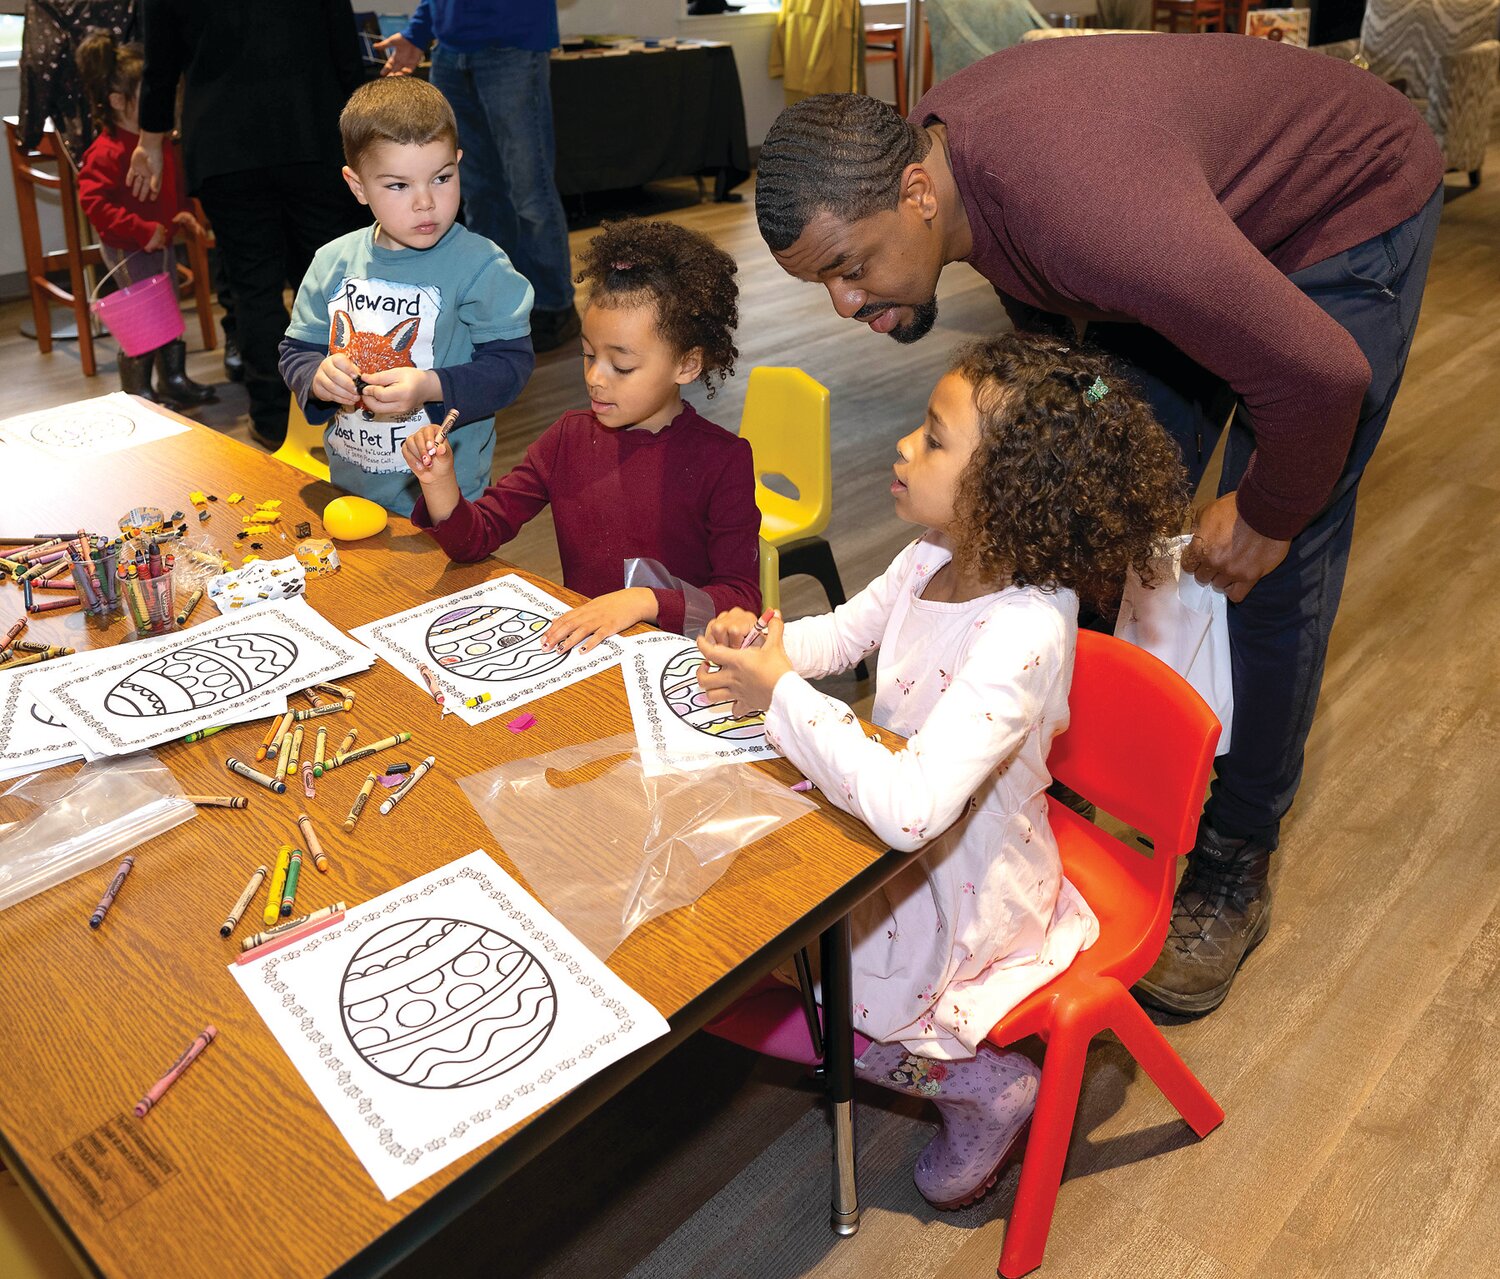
x=485, y=640
x=132, y=696
x=257, y=583
x=675, y=724
x=442, y=1013
x=90, y=427
x=32, y=737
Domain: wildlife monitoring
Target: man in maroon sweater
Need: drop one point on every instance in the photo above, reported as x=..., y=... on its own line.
x=1243, y=224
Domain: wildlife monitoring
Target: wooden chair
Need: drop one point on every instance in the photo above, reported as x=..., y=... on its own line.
x=886, y=42
x=28, y=173
x=1194, y=15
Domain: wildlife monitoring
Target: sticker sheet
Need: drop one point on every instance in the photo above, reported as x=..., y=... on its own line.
x=438, y=1015
x=677, y=727
x=485, y=640
x=257, y=583
x=90, y=427
x=132, y=696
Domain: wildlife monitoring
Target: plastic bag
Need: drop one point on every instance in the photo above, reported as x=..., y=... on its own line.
x=1186, y=624
x=605, y=848
x=697, y=604
x=78, y=822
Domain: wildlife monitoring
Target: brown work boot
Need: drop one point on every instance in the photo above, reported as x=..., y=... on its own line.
x=1220, y=914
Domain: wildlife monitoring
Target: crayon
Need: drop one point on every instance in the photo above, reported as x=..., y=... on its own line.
x=57, y=588
x=804, y=786
x=303, y=929
x=397, y=796
x=273, y=784
x=47, y=650
x=308, y=788
x=346, y=744
x=318, y=750
x=272, y=912
x=294, y=753
x=429, y=677
x=282, y=729
x=195, y=1050
x=398, y=768
x=187, y=609
x=67, y=601
x=365, y=752
x=265, y=746
x=327, y=708
x=310, y=837
x=289, y=889
x=477, y=700
x=205, y=732
x=15, y=632
x=287, y=925
x=218, y=801
x=758, y=631
x=238, y=909
x=108, y=900
x=22, y=659
x=360, y=801
x=284, y=761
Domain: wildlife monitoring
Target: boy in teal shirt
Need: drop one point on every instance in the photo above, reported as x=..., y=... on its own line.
x=400, y=322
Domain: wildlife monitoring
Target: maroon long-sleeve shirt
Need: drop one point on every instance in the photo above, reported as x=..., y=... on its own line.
x=684, y=496
x=1175, y=181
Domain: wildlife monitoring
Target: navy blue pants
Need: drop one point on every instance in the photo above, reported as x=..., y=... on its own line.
x=1278, y=635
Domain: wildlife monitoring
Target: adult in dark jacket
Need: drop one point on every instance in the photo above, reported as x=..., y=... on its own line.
x=1244, y=225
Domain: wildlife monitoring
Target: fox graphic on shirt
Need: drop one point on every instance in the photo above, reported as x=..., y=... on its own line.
x=379, y=325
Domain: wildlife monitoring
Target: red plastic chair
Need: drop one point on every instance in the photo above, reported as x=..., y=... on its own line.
x=1140, y=743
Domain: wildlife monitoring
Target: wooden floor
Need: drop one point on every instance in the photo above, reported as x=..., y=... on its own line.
x=1357, y=1057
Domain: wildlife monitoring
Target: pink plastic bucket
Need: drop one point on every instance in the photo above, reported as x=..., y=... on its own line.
x=142, y=316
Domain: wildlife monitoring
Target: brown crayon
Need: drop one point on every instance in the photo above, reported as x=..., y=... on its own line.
x=310, y=837
x=218, y=801
x=238, y=909
x=108, y=900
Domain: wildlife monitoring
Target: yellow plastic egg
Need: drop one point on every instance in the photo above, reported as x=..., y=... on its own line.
x=350, y=518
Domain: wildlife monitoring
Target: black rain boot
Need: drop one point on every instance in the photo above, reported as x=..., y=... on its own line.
x=1220, y=914
x=135, y=374
x=234, y=362
x=175, y=388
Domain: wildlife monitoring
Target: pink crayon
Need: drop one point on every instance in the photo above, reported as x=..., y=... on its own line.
x=194, y=1050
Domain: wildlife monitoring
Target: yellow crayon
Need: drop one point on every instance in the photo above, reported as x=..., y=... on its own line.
x=318, y=752
x=272, y=912
x=360, y=801
x=365, y=751
x=295, y=750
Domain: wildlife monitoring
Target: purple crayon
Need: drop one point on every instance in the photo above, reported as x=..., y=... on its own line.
x=108, y=900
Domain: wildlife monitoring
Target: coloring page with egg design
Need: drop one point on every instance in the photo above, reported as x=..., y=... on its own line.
x=442, y=1013
x=486, y=640
x=90, y=427
x=235, y=668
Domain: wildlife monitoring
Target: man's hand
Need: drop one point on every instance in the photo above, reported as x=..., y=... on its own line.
x=1227, y=553
x=746, y=676
x=402, y=57
x=401, y=390
x=600, y=618
x=145, y=167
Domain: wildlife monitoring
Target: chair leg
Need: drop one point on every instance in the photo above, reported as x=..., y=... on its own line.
x=1168, y=1072
x=1046, y=1152
x=1473, y=178
x=813, y=557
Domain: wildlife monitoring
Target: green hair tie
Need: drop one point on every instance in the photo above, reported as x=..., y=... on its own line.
x=1096, y=392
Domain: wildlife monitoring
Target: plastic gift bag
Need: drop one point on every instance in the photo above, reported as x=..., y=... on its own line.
x=78, y=822
x=605, y=847
x=1185, y=623
x=697, y=604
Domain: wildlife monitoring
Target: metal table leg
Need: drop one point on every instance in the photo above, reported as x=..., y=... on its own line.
x=838, y=1064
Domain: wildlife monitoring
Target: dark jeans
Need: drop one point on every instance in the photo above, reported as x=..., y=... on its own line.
x=1278, y=636
x=268, y=224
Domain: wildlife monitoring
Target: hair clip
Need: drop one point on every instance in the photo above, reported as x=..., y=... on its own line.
x=1096, y=392
x=622, y=266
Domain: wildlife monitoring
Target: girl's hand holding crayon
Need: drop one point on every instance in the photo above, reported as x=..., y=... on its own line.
x=333, y=383
x=747, y=676
x=429, y=455
x=600, y=618
x=730, y=628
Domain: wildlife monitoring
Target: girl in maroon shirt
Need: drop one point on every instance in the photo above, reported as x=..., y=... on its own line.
x=138, y=233
x=638, y=474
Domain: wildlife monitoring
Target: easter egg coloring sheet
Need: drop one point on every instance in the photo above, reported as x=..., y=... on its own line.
x=440, y=1014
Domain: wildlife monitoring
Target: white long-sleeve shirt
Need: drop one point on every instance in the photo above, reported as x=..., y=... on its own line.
x=979, y=689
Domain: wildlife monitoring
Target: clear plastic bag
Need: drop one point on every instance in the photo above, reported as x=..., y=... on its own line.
x=78, y=822
x=697, y=604
x=605, y=847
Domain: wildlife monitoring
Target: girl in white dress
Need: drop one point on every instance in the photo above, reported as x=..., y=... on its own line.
x=1039, y=477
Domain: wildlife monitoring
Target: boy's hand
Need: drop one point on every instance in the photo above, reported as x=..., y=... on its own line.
x=730, y=628
x=431, y=464
x=747, y=676
x=333, y=383
x=402, y=390
x=600, y=618
x=188, y=224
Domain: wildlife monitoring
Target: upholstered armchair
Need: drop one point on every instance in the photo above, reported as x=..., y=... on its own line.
x=1445, y=56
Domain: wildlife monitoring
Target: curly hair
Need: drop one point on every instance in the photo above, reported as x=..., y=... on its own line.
x=105, y=67
x=685, y=276
x=1063, y=489
x=839, y=152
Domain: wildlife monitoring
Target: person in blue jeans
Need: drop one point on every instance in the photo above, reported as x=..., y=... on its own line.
x=492, y=63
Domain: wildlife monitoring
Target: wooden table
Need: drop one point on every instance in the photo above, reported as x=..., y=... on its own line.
x=239, y=1171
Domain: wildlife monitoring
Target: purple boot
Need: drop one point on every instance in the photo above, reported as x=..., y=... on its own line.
x=985, y=1103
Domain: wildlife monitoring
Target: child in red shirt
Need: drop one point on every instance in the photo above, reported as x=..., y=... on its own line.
x=138, y=233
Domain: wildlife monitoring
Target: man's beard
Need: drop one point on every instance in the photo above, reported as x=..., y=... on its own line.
x=923, y=317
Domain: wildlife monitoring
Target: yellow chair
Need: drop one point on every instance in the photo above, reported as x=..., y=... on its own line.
x=770, y=576
x=786, y=420
x=302, y=437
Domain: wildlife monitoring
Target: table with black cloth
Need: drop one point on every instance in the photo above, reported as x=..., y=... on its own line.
x=625, y=120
